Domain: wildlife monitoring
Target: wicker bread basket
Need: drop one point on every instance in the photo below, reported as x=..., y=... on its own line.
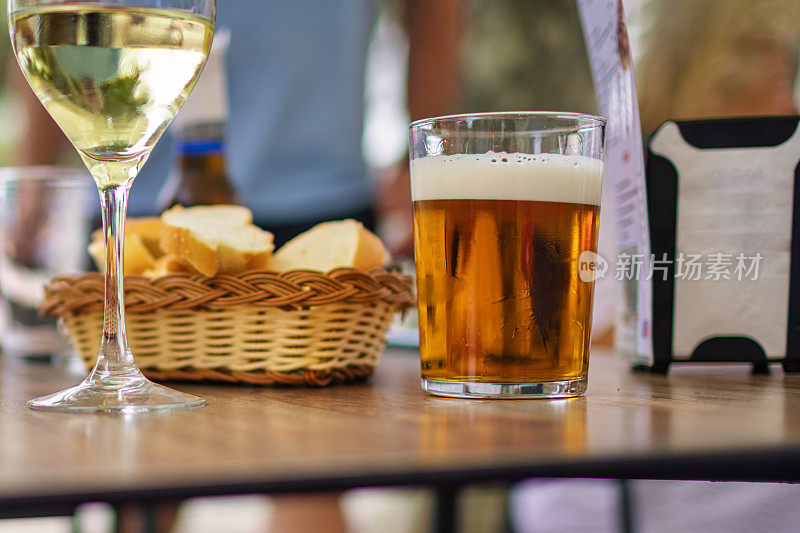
x=297, y=327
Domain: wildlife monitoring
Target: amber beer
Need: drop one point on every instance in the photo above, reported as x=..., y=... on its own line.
x=497, y=241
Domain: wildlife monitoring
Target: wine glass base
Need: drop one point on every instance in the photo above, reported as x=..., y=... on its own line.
x=134, y=395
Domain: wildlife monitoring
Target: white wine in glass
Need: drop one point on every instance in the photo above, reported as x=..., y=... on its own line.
x=113, y=74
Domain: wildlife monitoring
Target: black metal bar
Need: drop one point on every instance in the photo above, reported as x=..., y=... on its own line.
x=446, y=509
x=767, y=464
x=625, y=507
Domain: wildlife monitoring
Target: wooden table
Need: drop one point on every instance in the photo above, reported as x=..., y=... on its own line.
x=696, y=423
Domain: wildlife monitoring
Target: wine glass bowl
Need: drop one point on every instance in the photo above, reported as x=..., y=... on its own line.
x=113, y=74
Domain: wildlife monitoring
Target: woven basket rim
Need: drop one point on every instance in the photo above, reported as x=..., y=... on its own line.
x=77, y=293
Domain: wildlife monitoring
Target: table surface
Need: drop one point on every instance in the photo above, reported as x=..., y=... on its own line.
x=696, y=423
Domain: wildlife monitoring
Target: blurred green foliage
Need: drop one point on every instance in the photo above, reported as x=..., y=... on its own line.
x=5, y=50
x=526, y=55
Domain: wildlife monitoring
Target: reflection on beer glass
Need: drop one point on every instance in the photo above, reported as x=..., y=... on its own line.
x=504, y=204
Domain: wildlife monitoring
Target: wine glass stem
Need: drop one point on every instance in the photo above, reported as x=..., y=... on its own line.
x=115, y=358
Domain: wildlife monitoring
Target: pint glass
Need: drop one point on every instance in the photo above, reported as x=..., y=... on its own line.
x=506, y=210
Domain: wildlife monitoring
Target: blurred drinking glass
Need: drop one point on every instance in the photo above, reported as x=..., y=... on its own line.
x=44, y=224
x=506, y=212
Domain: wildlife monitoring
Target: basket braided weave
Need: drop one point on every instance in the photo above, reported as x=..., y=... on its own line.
x=297, y=327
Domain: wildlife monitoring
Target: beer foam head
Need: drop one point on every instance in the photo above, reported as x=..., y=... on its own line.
x=500, y=176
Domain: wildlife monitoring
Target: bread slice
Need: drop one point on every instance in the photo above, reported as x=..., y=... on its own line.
x=149, y=229
x=137, y=260
x=141, y=245
x=343, y=243
x=169, y=264
x=216, y=239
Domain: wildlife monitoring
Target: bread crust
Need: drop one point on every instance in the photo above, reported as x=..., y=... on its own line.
x=142, y=247
x=169, y=264
x=149, y=229
x=137, y=256
x=182, y=243
x=370, y=252
x=364, y=250
x=210, y=256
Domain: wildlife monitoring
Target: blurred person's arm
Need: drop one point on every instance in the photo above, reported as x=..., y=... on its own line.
x=434, y=36
x=41, y=142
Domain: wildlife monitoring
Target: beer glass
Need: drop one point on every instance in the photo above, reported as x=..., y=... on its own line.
x=504, y=206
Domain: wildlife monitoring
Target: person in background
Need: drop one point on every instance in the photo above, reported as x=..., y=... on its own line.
x=296, y=84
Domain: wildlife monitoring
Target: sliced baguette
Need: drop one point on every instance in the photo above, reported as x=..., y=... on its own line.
x=343, y=243
x=137, y=260
x=149, y=229
x=141, y=245
x=215, y=239
x=169, y=264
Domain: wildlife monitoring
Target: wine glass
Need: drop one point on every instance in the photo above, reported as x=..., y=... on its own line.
x=113, y=74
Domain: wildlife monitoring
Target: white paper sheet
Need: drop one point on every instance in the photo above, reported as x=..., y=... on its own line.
x=612, y=70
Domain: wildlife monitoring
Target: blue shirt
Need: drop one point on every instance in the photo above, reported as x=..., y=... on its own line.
x=296, y=89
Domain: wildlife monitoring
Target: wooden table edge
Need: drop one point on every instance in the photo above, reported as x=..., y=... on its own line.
x=752, y=465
